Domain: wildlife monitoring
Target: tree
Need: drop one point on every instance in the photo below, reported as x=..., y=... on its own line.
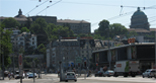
x=37, y=28
x=117, y=29
x=10, y=23
x=6, y=46
x=103, y=28
x=25, y=29
x=102, y=32
x=106, y=31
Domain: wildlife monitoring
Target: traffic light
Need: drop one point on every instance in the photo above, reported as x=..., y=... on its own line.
x=85, y=64
x=78, y=64
x=39, y=0
x=96, y=64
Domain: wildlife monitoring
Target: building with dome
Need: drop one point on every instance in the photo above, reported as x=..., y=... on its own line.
x=20, y=18
x=140, y=25
x=139, y=20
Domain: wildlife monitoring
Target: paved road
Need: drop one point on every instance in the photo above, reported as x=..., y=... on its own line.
x=52, y=78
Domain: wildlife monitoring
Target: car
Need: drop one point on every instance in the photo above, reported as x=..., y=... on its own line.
x=99, y=73
x=70, y=76
x=108, y=73
x=17, y=76
x=149, y=73
x=31, y=75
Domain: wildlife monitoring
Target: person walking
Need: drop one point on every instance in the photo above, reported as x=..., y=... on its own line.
x=9, y=75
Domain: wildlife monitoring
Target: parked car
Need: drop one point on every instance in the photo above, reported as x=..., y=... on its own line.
x=108, y=73
x=99, y=73
x=17, y=76
x=31, y=75
x=149, y=73
x=70, y=76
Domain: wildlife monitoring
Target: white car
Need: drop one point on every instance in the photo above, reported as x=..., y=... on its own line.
x=108, y=73
x=70, y=76
x=149, y=73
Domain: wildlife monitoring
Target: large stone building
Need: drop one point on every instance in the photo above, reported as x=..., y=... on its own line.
x=139, y=20
x=78, y=27
x=140, y=25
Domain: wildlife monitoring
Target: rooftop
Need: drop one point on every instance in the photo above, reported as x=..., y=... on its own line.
x=71, y=21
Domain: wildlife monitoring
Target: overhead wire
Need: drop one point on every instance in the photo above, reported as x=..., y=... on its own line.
x=49, y=6
x=36, y=7
x=90, y=3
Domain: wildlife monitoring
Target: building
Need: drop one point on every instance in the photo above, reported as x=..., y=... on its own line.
x=139, y=20
x=48, y=19
x=23, y=40
x=142, y=52
x=70, y=51
x=64, y=50
x=19, y=17
x=77, y=26
x=140, y=25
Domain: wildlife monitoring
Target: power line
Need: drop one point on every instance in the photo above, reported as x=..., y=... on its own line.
x=36, y=7
x=89, y=3
x=49, y=6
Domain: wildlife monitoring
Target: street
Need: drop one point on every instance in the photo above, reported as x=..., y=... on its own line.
x=52, y=78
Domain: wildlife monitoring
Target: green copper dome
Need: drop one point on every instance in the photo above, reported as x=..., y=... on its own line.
x=139, y=12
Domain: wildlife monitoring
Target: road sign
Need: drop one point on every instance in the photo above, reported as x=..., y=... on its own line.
x=20, y=61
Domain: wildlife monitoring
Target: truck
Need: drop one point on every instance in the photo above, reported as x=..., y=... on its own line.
x=126, y=68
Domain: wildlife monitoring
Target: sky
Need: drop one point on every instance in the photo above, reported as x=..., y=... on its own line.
x=92, y=11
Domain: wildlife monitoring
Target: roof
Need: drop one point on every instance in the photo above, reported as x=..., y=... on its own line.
x=122, y=46
x=138, y=30
x=18, y=19
x=68, y=40
x=71, y=21
x=139, y=12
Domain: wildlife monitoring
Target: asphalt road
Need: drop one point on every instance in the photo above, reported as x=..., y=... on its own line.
x=52, y=78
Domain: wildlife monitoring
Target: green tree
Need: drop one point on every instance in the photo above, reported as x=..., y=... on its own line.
x=117, y=29
x=6, y=46
x=102, y=32
x=25, y=29
x=10, y=23
x=37, y=27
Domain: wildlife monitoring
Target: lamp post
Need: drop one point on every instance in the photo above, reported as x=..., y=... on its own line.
x=109, y=55
x=3, y=67
x=155, y=48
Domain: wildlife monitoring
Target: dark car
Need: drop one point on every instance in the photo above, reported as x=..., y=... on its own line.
x=99, y=73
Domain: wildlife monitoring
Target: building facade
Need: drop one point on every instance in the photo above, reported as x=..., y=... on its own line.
x=23, y=40
x=71, y=52
x=78, y=27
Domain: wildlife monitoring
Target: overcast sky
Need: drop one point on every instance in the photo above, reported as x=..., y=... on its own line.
x=92, y=11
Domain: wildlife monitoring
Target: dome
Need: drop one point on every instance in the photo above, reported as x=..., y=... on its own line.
x=139, y=20
x=20, y=14
x=139, y=12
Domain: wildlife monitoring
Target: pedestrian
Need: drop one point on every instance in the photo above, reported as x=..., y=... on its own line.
x=9, y=75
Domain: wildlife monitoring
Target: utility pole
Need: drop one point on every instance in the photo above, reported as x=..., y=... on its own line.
x=33, y=71
x=3, y=67
x=109, y=49
x=155, y=49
